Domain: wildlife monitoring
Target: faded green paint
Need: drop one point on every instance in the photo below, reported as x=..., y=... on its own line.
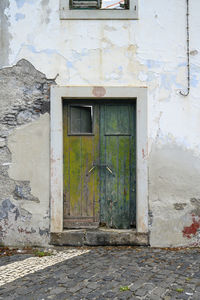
x=81, y=188
x=117, y=189
x=110, y=150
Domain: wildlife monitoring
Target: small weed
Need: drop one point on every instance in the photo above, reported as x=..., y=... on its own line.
x=124, y=288
x=179, y=290
x=188, y=279
x=42, y=253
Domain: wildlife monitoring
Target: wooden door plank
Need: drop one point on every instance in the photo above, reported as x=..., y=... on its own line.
x=87, y=157
x=112, y=180
x=117, y=143
x=104, y=209
x=132, y=116
x=66, y=173
x=123, y=208
x=75, y=176
x=96, y=160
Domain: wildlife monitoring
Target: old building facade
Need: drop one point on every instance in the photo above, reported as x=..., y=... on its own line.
x=99, y=123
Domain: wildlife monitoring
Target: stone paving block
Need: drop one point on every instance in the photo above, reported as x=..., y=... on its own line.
x=135, y=285
x=57, y=290
x=124, y=295
x=85, y=291
x=141, y=292
x=154, y=297
x=93, y=285
x=159, y=291
x=196, y=296
x=75, y=289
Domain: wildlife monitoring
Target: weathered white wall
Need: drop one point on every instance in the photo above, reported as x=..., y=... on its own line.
x=29, y=146
x=148, y=52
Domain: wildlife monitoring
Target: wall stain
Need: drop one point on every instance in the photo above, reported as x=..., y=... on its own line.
x=45, y=11
x=6, y=207
x=43, y=231
x=99, y=91
x=23, y=192
x=190, y=231
x=22, y=230
x=179, y=206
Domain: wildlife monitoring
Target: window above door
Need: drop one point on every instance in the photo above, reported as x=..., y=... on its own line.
x=99, y=9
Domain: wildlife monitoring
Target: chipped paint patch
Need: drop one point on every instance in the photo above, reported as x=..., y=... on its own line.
x=20, y=3
x=179, y=206
x=190, y=231
x=19, y=16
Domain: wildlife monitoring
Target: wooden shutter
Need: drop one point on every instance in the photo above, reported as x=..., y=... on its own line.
x=86, y=4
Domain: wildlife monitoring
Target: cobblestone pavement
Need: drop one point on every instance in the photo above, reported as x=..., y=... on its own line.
x=102, y=273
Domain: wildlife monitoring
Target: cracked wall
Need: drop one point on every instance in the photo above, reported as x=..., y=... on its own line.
x=148, y=52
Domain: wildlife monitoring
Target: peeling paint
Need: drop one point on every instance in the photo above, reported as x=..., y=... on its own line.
x=191, y=230
x=23, y=192
x=20, y=3
x=8, y=207
x=19, y=16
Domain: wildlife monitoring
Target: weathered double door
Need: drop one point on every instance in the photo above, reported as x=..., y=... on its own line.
x=99, y=164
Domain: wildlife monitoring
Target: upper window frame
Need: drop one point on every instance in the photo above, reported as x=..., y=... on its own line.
x=98, y=14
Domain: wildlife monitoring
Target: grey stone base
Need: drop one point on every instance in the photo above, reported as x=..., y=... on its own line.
x=99, y=237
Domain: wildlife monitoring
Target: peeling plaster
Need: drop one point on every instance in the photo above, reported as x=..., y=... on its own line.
x=24, y=126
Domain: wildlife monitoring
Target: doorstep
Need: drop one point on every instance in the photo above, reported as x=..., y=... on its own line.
x=100, y=237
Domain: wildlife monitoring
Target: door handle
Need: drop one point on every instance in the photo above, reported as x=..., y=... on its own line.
x=93, y=167
x=109, y=170
x=100, y=166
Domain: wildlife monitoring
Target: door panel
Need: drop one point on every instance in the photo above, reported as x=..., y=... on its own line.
x=117, y=195
x=81, y=149
x=99, y=165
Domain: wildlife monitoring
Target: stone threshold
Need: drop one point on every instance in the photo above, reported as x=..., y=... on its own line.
x=100, y=237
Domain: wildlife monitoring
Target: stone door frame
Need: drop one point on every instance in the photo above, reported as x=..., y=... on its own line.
x=58, y=94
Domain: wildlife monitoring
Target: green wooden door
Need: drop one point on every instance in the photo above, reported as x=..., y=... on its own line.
x=117, y=174
x=81, y=149
x=99, y=165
